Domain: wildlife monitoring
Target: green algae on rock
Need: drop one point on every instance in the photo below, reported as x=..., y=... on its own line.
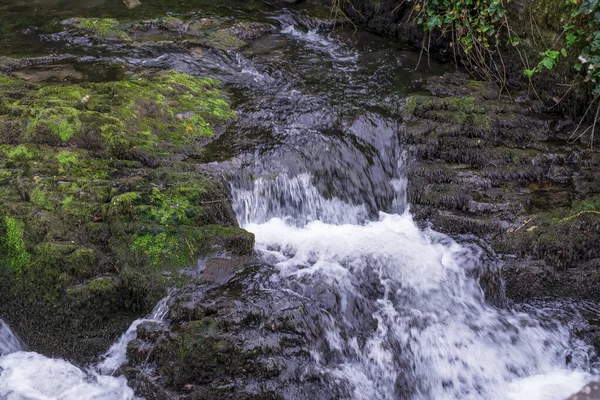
x=100, y=207
x=106, y=28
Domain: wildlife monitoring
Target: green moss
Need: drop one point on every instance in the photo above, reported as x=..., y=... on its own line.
x=17, y=257
x=162, y=249
x=584, y=205
x=107, y=28
x=20, y=153
x=127, y=136
x=152, y=115
x=40, y=198
x=102, y=285
x=66, y=161
x=122, y=206
x=170, y=209
x=223, y=39
x=410, y=106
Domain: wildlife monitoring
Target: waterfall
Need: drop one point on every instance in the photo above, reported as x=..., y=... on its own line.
x=435, y=337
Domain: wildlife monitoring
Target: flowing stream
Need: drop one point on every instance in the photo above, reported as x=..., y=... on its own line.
x=318, y=176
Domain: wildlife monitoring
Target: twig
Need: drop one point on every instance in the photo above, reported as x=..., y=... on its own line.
x=213, y=201
x=570, y=217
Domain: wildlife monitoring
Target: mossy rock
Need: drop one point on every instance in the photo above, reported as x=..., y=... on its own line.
x=106, y=28
x=100, y=208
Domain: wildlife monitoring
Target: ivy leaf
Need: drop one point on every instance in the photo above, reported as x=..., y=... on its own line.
x=548, y=63
x=433, y=22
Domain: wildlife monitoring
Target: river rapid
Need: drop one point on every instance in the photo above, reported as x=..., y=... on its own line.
x=317, y=173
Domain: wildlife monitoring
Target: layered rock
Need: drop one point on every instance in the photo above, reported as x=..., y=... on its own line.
x=499, y=168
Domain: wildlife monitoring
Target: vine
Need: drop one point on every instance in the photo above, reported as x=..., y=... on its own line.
x=475, y=29
x=478, y=28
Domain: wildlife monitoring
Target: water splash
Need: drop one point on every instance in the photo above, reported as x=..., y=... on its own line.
x=435, y=336
x=116, y=355
x=32, y=376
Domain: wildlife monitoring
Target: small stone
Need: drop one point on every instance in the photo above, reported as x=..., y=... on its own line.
x=188, y=114
x=132, y=3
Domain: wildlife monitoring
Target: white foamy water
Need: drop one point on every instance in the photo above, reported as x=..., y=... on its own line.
x=436, y=337
x=32, y=376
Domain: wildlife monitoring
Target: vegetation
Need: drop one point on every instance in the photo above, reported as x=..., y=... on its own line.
x=480, y=31
x=17, y=257
x=100, y=207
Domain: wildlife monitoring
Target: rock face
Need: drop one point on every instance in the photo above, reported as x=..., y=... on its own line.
x=234, y=339
x=590, y=392
x=504, y=171
x=102, y=203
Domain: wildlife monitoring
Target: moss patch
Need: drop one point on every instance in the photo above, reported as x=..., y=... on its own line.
x=107, y=28
x=100, y=206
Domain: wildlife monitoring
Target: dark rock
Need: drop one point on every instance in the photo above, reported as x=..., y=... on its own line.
x=496, y=169
x=591, y=391
x=234, y=338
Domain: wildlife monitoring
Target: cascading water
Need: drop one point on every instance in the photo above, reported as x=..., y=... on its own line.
x=117, y=354
x=403, y=314
x=32, y=376
x=434, y=337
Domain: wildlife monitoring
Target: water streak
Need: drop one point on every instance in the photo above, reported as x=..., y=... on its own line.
x=116, y=355
x=9, y=342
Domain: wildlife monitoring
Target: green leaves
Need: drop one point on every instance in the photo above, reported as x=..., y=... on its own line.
x=474, y=22
x=435, y=21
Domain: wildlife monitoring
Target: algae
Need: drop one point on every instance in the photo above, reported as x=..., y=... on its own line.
x=99, y=207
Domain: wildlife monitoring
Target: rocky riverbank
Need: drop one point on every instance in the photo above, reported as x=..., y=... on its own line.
x=106, y=203
x=102, y=202
x=504, y=170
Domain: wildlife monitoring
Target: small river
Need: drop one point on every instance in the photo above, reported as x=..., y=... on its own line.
x=317, y=172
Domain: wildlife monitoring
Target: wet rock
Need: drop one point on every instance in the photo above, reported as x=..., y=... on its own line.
x=233, y=339
x=99, y=211
x=502, y=170
x=591, y=391
x=251, y=30
x=104, y=28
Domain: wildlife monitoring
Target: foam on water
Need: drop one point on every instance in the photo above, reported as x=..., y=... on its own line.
x=32, y=376
x=435, y=333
